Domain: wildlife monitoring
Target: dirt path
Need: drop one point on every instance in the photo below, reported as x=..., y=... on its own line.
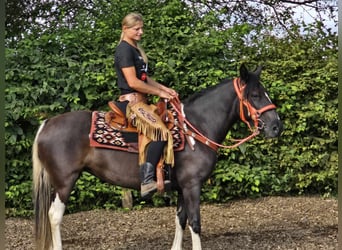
x=268, y=223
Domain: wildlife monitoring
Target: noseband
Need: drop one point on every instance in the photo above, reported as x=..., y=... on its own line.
x=253, y=113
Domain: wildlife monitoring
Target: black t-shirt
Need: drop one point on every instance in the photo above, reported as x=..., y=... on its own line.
x=127, y=56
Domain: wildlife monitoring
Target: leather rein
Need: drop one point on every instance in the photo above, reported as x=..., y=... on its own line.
x=253, y=113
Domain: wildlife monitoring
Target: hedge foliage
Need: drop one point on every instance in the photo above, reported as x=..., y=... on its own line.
x=71, y=68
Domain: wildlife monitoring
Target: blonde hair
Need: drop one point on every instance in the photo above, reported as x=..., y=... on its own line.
x=129, y=21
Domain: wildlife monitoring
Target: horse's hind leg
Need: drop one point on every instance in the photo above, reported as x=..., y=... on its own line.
x=180, y=221
x=56, y=212
x=62, y=190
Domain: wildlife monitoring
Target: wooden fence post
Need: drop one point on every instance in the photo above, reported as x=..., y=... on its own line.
x=126, y=198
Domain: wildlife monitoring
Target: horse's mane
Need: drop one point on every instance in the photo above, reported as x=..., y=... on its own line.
x=203, y=92
x=253, y=82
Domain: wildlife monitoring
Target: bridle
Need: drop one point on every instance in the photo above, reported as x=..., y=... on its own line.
x=253, y=113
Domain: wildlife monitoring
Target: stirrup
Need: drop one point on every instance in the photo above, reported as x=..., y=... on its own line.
x=167, y=185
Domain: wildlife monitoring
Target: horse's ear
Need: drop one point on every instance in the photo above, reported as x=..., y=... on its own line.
x=244, y=73
x=258, y=71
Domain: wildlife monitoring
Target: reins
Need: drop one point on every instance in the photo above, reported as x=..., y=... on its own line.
x=253, y=113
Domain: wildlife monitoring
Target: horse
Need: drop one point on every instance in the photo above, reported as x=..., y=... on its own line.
x=61, y=151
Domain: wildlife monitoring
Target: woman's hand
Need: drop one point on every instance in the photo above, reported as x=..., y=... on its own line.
x=168, y=93
x=165, y=95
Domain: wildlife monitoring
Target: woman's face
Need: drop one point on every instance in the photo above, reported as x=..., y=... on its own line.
x=134, y=33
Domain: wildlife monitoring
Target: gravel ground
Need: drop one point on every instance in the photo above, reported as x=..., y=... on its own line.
x=266, y=223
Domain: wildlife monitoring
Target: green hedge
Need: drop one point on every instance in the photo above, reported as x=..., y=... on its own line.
x=72, y=69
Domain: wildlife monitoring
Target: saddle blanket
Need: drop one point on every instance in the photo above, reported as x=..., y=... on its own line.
x=104, y=136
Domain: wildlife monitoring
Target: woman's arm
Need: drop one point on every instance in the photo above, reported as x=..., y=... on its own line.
x=152, y=87
x=170, y=91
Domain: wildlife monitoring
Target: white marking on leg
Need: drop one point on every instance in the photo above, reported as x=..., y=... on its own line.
x=56, y=212
x=178, y=240
x=196, y=240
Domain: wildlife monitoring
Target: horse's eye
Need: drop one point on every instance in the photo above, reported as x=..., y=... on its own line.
x=255, y=95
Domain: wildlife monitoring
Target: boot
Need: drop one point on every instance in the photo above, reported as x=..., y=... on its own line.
x=148, y=184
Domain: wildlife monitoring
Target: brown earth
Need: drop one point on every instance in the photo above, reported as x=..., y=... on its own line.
x=266, y=223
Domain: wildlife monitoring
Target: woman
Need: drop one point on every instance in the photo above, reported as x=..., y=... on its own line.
x=134, y=84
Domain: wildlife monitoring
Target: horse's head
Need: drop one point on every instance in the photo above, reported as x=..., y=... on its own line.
x=256, y=108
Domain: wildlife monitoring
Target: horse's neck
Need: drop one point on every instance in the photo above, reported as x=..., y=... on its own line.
x=214, y=112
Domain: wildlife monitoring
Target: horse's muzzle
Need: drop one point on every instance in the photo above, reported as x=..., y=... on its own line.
x=273, y=129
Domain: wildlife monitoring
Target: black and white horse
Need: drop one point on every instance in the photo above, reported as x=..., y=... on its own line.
x=61, y=151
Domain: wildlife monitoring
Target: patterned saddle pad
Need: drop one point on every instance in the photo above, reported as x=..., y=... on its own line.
x=104, y=136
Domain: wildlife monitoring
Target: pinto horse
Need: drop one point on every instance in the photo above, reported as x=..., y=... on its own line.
x=61, y=151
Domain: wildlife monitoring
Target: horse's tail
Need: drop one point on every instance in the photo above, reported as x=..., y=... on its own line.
x=41, y=199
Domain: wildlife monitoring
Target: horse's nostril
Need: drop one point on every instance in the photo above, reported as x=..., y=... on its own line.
x=277, y=128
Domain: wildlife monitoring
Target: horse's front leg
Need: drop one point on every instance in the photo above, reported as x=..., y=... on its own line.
x=191, y=196
x=180, y=222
